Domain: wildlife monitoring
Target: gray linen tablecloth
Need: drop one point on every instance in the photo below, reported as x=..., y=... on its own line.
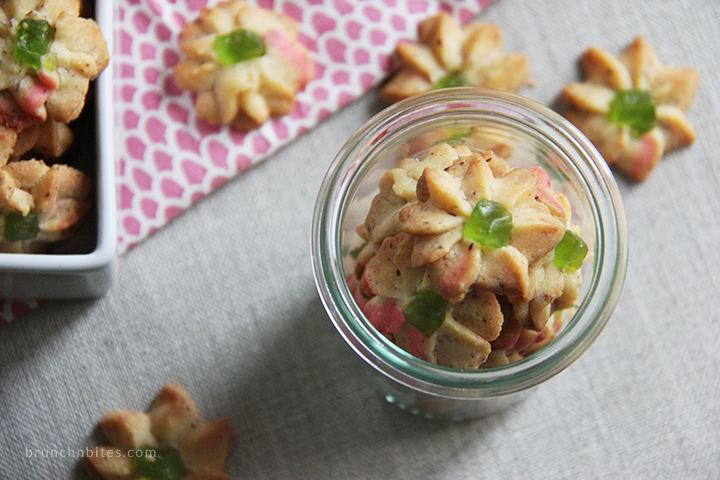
x=223, y=301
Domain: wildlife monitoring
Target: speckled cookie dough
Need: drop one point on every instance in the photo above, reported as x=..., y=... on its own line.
x=467, y=262
x=245, y=64
x=448, y=55
x=632, y=107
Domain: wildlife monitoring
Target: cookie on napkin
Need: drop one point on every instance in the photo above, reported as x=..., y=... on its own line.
x=244, y=63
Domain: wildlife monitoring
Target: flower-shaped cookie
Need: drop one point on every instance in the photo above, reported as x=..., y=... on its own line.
x=40, y=204
x=50, y=54
x=245, y=64
x=632, y=107
x=168, y=442
x=461, y=257
x=448, y=55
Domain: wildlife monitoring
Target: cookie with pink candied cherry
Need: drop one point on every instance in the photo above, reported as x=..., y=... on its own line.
x=244, y=63
x=49, y=56
x=463, y=255
x=449, y=55
x=632, y=107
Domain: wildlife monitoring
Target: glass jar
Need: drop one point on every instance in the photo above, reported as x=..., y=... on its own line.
x=532, y=135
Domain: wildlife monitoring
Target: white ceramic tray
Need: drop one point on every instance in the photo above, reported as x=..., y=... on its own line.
x=84, y=266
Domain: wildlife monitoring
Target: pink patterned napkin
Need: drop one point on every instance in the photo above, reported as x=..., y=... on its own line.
x=169, y=159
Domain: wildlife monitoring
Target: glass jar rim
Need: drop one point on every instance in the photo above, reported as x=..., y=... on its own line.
x=591, y=316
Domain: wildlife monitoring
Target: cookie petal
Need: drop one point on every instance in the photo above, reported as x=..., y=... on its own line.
x=604, y=69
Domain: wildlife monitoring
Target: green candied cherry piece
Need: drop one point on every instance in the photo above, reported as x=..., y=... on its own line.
x=454, y=137
x=32, y=41
x=426, y=311
x=489, y=224
x=355, y=252
x=164, y=465
x=18, y=227
x=458, y=136
x=238, y=46
x=570, y=252
x=452, y=79
x=635, y=108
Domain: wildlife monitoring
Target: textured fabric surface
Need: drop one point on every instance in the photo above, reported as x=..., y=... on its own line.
x=222, y=300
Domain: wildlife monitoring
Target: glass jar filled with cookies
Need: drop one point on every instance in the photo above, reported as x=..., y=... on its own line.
x=468, y=244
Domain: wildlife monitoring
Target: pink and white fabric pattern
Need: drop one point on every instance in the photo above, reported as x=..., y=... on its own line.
x=168, y=159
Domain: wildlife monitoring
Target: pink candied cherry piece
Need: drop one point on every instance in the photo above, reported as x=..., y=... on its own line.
x=545, y=192
x=647, y=157
x=286, y=49
x=50, y=80
x=509, y=336
x=12, y=116
x=385, y=315
x=416, y=341
x=31, y=96
x=458, y=272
